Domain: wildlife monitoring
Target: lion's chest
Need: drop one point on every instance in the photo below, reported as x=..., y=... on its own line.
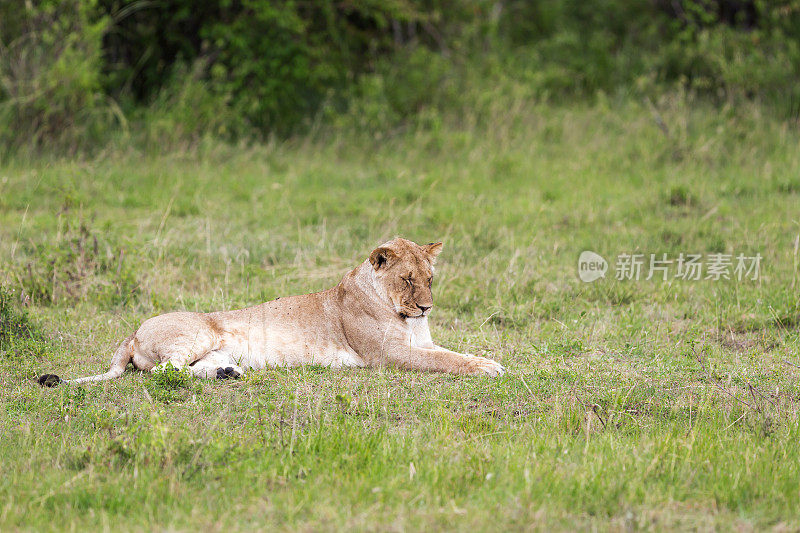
x=419, y=332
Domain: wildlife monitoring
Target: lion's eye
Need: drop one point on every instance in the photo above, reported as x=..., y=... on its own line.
x=430, y=282
x=408, y=282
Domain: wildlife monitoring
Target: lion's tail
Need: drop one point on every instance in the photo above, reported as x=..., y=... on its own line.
x=121, y=358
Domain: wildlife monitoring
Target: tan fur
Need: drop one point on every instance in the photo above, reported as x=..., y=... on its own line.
x=376, y=316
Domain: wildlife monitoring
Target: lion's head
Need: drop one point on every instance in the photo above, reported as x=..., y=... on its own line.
x=404, y=270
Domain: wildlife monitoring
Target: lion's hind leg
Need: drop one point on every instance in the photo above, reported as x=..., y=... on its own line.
x=209, y=367
x=177, y=339
x=185, y=340
x=216, y=365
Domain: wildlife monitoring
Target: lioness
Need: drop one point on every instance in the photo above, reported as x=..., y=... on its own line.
x=377, y=315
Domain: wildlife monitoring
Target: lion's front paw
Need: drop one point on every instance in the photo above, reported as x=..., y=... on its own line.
x=481, y=366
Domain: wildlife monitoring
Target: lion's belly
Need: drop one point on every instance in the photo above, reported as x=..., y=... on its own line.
x=278, y=348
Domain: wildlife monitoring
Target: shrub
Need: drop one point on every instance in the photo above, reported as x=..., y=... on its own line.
x=723, y=62
x=50, y=89
x=252, y=68
x=272, y=62
x=185, y=111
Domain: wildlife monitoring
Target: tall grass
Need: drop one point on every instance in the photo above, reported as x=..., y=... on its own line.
x=644, y=404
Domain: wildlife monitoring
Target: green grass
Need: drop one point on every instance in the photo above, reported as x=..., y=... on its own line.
x=650, y=404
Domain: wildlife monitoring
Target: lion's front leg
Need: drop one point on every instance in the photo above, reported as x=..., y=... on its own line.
x=443, y=360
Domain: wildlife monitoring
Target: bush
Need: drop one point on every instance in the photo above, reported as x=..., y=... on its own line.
x=253, y=68
x=414, y=84
x=185, y=112
x=272, y=62
x=50, y=88
x=723, y=62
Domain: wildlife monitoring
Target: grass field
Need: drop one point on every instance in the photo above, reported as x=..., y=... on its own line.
x=627, y=404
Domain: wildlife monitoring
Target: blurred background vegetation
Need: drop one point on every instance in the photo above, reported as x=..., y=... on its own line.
x=157, y=74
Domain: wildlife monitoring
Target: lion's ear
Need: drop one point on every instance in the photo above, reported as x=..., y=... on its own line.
x=381, y=257
x=433, y=250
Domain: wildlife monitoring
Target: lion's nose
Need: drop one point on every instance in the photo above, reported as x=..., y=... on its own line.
x=424, y=308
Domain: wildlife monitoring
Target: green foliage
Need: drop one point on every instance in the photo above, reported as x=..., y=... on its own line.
x=50, y=81
x=271, y=62
x=575, y=47
x=414, y=86
x=728, y=63
x=185, y=112
x=722, y=49
x=185, y=71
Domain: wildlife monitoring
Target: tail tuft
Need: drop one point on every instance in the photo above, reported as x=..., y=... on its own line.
x=49, y=380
